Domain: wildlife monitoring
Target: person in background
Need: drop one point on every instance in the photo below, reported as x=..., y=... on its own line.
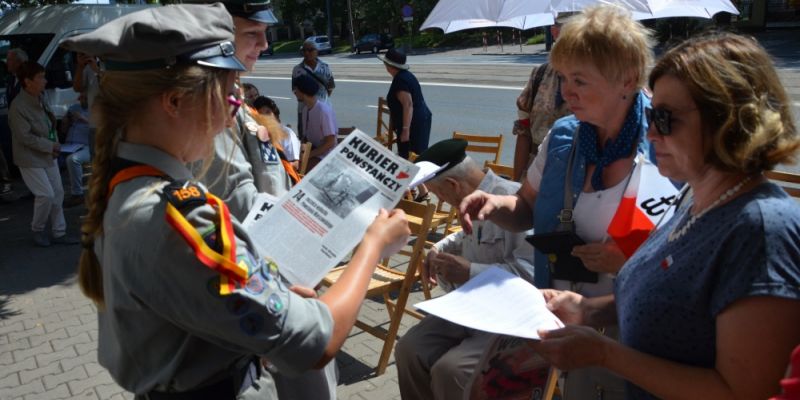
x=291, y=145
x=36, y=148
x=87, y=81
x=538, y=106
x=76, y=122
x=708, y=305
x=14, y=60
x=436, y=358
x=318, y=118
x=408, y=112
x=186, y=305
x=312, y=66
x=250, y=93
x=579, y=176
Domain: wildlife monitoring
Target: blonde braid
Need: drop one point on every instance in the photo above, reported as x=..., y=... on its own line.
x=121, y=98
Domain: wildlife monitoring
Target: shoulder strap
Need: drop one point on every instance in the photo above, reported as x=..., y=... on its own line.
x=566, y=222
x=317, y=78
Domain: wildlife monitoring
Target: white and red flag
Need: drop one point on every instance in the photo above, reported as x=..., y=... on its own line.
x=646, y=202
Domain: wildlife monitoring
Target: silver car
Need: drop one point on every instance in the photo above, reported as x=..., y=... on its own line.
x=323, y=44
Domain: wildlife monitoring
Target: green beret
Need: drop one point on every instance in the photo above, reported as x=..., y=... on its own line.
x=161, y=37
x=450, y=152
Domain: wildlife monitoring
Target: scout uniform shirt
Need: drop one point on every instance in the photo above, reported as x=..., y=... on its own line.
x=166, y=326
x=244, y=166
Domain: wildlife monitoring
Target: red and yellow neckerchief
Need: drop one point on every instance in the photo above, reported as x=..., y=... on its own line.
x=225, y=263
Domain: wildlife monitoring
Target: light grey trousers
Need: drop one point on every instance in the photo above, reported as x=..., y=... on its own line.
x=435, y=359
x=45, y=184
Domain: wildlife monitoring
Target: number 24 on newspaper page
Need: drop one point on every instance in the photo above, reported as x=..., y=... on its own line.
x=309, y=230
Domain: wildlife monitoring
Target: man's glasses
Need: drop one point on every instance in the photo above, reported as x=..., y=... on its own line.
x=235, y=104
x=308, y=49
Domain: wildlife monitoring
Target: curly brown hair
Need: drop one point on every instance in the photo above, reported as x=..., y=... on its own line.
x=744, y=108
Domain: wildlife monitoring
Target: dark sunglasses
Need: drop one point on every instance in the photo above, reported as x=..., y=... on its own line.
x=309, y=49
x=660, y=118
x=235, y=104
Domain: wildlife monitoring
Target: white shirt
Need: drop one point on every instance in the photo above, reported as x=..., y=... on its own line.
x=592, y=214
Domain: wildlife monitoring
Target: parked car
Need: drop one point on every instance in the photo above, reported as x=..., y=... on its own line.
x=323, y=44
x=374, y=42
x=267, y=52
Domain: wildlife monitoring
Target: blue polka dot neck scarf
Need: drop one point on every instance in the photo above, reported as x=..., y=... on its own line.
x=614, y=149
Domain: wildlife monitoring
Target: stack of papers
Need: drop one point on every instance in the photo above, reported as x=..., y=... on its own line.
x=496, y=301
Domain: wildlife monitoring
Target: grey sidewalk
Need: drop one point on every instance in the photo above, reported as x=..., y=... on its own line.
x=48, y=329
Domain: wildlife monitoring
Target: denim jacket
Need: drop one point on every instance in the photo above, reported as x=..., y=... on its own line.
x=550, y=199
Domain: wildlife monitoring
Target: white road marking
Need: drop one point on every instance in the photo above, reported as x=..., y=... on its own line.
x=389, y=82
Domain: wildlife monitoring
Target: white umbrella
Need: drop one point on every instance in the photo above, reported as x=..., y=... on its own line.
x=523, y=22
x=455, y=15
x=686, y=8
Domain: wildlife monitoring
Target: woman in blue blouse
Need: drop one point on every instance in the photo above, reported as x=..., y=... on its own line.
x=708, y=307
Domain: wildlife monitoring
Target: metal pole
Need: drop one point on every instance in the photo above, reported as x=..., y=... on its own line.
x=330, y=22
x=352, y=32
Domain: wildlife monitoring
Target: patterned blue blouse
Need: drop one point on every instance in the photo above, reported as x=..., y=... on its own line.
x=669, y=294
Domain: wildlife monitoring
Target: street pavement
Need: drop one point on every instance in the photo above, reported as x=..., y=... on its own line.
x=48, y=329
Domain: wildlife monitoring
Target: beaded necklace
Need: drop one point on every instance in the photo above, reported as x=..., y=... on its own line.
x=675, y=235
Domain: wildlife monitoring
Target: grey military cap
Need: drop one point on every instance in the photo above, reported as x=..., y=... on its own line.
x=254, y=10
x=161, y=37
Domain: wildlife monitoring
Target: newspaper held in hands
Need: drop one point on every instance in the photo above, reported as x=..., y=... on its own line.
x=314, y=226
x=495, y=301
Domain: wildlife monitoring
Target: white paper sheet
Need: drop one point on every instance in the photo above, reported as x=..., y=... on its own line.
x=495, y=301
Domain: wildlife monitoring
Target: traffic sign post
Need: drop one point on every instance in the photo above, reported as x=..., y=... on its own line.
x=408, y=16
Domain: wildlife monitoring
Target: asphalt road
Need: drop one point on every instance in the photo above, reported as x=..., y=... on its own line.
x=467, y=90
x=483, y=111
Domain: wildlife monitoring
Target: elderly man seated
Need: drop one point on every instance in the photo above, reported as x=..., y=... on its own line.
x=435, y=359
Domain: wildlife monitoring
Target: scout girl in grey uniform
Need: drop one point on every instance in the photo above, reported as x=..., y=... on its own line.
x=246, y=163
x=246, y=159
x=185, y=303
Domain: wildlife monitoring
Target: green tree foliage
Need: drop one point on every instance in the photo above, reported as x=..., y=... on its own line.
x=369, y=16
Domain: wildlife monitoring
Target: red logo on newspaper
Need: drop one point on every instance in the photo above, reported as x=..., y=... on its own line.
x=402, y=175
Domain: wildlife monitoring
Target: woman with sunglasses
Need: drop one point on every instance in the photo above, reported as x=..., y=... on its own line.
x=709, y=305
x=185, y=303
x=600, y=57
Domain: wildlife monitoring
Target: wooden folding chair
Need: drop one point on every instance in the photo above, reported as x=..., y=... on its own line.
x=384, y=131
x=386, y=281
x=343, y=132
x=491, y=145
x=788, y=181
x=503, y=171
x=305, y=153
